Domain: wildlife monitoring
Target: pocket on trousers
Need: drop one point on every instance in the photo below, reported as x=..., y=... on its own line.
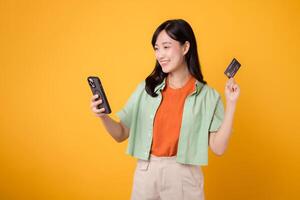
x=142, y=164
x=191, y=175
x=196, y=172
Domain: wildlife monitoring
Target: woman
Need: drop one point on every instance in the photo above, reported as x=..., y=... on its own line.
x=172, y=118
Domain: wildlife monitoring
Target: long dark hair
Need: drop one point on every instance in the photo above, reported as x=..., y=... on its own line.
x=181, y=31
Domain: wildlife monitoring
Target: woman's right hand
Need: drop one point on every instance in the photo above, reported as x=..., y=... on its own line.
x=94, y=105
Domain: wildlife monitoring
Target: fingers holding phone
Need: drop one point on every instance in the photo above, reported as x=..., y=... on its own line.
x=100, y=105
x=95, y=106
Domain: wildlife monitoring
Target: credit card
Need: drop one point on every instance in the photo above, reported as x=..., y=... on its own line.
x=232, y=68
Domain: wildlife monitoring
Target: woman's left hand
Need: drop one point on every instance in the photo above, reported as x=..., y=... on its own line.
x=232, y=91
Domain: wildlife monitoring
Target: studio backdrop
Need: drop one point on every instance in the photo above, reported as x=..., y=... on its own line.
x=53, y=147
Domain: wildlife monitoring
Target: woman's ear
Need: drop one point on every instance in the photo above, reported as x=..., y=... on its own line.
x=186, y=47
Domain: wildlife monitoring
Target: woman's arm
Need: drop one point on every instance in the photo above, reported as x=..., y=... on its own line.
x=116, y=129
x=218, y=140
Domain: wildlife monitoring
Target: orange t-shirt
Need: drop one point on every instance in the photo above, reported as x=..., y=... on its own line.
x=167, y=121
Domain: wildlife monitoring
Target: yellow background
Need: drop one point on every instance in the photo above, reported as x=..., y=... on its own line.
x=53, y=147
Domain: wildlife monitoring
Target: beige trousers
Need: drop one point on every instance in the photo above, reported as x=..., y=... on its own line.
x=162, y=178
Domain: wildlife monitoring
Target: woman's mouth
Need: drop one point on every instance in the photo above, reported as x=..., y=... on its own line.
x=164, y=62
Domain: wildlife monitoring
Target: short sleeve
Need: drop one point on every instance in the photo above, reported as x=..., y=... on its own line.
x=126, y=113
x=218, y=116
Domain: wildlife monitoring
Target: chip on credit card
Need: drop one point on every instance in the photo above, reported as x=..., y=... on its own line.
x=232, y=68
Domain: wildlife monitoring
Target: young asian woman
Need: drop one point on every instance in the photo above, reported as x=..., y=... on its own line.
x=172, y=118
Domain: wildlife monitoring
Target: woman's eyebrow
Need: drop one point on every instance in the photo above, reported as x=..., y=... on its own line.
x=164, y=43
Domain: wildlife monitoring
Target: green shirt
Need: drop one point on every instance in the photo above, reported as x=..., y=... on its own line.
x=203, y=113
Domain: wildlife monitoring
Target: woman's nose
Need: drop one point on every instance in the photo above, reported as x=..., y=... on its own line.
x=160, y=55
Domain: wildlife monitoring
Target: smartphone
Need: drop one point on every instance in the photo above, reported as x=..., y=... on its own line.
x=97, y=88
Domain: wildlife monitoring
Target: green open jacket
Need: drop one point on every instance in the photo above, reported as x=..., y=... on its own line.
x=203, y=113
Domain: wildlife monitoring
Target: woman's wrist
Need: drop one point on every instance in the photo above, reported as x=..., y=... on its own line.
x=230, y=105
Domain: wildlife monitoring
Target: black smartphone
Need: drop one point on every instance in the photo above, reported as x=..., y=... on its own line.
x=97, y=88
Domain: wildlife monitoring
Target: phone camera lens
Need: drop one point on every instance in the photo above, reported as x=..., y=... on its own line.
x=91, y=82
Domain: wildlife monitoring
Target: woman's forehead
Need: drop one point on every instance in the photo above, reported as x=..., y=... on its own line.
x=163, y=38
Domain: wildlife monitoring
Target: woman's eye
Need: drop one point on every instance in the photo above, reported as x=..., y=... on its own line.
x=166, y=47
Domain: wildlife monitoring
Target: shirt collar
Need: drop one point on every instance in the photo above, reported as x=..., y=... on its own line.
x=161, y=86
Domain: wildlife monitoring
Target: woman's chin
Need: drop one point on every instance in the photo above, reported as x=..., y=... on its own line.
x=165, y=69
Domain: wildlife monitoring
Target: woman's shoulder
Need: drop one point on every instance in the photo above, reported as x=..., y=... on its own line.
x=210, y=92
x=141, y=84
x=139, y=87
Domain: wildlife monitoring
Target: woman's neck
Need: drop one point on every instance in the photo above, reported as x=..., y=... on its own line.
x=179, y=78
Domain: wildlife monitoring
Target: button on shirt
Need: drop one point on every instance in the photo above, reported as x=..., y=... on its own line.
x=203, y=113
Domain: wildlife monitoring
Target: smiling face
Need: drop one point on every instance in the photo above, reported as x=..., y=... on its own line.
x=169, y=52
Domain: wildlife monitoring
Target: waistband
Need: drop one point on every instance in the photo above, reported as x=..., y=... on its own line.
x=162, y=158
